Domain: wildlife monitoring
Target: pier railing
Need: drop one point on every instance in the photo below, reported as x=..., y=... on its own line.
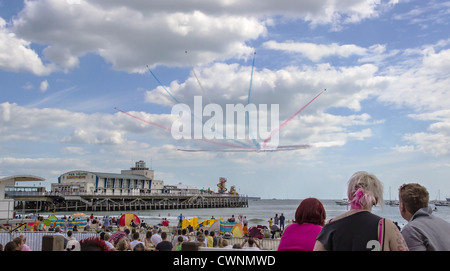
x=68, y=193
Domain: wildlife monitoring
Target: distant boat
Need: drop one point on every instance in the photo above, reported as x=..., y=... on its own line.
x=441, y=203
x=392, y=202
x=342, y=202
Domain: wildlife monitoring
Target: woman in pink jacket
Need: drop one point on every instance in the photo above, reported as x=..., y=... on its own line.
x=302, y=234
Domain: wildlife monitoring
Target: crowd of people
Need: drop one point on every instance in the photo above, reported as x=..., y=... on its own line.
x=360, y=229
x=357, y=229
x=129, y=239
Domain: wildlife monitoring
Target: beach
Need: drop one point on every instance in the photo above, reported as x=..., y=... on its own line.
x=258, y=212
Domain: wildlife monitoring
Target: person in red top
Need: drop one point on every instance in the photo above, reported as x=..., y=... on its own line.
x=309, y=220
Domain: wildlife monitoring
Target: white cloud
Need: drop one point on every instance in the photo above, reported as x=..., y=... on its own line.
x=154, y=38
x=74, y=150
x=161, y=31
x=290, y=87
x=28, y=85
x=43, y=86
x=435, y=140
x=316, y=52
x=16, y=54
x=419, y=80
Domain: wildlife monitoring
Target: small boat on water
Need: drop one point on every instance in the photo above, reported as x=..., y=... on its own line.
x=341, y=202
x=441, y=203
x=392, y=202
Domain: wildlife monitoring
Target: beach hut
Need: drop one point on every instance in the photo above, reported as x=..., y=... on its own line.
x=125, y=219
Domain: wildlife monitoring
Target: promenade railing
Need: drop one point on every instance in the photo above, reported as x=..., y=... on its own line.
x=34, y=238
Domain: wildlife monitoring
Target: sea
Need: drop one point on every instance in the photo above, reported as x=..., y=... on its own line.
x=258, y=212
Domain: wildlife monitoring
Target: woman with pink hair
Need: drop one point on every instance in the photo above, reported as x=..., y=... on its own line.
x=359, y=229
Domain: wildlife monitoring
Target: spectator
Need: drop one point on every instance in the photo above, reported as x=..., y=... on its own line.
x=139, y=247
x=135, y=240
x=424, y=231
x=123, y=245
x=10, y=246
x=19, y=243
x=107, y=237
x=223, y=243
x=309, y=220
x=148, y=240
x=25, y=247
x=164, y=245
x=93, y=244
x=359, y=229
x=70, y=236
x=201, y=239
x=179, y=244
x=282, y=218
x=156, y=238
x=209, y=238
x=251, y=244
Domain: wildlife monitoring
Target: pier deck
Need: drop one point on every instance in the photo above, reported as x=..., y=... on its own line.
x=92, y=202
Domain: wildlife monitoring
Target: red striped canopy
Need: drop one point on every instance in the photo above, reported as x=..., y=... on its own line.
x=125, y=219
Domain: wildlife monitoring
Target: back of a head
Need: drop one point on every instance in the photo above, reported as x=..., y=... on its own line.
x=364, y=190
x=93, y=244
x=310, y=210
x=73, y=245
x=201, y=237
x=122, y=244
x=10, y=246
x=224, y=242
x=413, y=196
x=139, y=247
x=136, y=235
x=164, y=235
x=251, y=241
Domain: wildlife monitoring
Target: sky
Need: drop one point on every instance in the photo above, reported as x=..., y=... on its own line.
x=65, y=65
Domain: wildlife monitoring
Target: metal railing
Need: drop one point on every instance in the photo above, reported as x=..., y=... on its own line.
x=34, y=239
x=68, y=193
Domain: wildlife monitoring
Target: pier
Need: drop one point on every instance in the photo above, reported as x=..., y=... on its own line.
x=49, y=202
x=133, y=189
